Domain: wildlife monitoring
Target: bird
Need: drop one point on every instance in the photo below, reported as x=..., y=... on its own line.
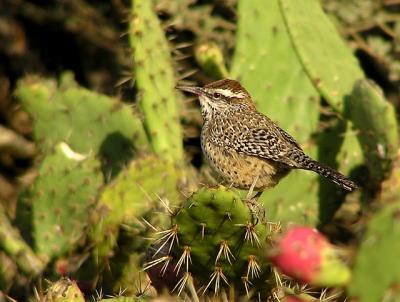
x=246, y=148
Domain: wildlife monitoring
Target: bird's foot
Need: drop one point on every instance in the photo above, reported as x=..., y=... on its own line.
x=257, y=210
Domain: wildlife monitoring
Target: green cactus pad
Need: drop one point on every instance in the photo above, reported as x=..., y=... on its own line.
x=212, y=237
x=59, y=201
x=266, y=64
x=137, y=190
x=325, y=57
x=376, y=122
x=12, y=243
x=8, y=272
x=293, y=200
x=340, y=149
x=376, y=271
x=155, y=81
x=87, y=121
x=125, y=272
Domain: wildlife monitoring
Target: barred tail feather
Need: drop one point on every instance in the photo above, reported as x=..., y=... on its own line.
x=329, y=173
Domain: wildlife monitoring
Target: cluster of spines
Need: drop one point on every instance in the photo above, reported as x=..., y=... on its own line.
x=206, y=249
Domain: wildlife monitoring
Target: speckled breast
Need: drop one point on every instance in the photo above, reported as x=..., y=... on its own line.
x=241, y=170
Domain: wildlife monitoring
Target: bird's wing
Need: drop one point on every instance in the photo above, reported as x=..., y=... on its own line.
x=267, y=140
x=289, y=137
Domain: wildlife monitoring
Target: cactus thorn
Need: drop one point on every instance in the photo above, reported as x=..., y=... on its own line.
x=184, y=259
x=170, y=235
x=216, y=276
x=225, y=251
x=181, y=283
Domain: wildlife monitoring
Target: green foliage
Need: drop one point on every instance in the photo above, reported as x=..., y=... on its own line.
x=213, y=237
x=378, y=250
x=87, y=121
x=376, y=121
x=58, y=202
x=155, y=81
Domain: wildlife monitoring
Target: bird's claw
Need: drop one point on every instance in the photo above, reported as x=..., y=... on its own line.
x=257, y=210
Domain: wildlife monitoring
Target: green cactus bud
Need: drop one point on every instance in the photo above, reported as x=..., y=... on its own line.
x=64, y=290
x=211, y=59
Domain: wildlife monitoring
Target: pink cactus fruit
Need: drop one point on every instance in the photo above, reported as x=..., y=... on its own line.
x=307, y=256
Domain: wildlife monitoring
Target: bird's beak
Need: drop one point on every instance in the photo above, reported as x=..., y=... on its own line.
x=191, y=89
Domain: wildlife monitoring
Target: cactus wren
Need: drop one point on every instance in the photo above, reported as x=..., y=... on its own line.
x=246, y=148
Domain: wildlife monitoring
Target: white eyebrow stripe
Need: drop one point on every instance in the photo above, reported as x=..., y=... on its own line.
x=228, y=93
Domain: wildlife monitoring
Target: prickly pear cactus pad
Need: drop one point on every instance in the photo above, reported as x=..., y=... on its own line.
x=375, y=119
x=379, y=251
x=325, y=57
x=294, y=199
x=141, y=187
x=338, y=146
x=12, y=243
x=282, y=91
x=212, y=238
x=59, y=200
x=285, y=93
x=87, y=121
x=155, y=81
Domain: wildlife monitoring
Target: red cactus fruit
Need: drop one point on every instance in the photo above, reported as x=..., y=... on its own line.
x=306, y=255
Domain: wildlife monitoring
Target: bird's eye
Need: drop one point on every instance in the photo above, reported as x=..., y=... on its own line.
x=216, y=95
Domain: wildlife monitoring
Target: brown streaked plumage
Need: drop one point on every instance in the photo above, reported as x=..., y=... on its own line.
x=244, y=146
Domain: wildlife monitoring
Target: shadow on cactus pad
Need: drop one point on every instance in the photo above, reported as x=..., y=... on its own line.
x=115, y=152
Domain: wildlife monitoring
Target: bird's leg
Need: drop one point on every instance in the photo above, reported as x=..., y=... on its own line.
x=248, y=196
x=256, y=209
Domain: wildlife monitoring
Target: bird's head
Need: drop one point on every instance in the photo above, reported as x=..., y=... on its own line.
x=220, y=96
